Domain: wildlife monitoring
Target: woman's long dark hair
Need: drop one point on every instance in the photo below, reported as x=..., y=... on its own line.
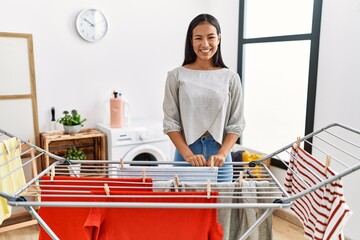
x=190, y=55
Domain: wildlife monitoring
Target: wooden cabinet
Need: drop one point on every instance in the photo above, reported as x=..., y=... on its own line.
x=91, y=141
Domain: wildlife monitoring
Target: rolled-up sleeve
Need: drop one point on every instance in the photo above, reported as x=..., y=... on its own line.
x=171, y=108
x=236, y=123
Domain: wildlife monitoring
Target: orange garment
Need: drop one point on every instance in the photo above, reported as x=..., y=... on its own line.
x=154, y=223
x=68, y=222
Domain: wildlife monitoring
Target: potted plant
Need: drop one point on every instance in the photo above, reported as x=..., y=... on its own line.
x=74, y=153
x=72, y=122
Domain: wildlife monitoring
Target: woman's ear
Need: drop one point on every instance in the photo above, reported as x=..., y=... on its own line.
x=219, y=38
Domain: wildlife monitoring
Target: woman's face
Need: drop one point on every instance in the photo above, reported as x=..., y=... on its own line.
x=205, y=41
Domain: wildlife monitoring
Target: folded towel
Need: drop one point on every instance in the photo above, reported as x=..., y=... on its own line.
x=12, y=176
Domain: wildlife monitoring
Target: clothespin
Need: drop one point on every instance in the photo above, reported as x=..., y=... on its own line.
x=6, y=147
x=143, y=175
x=297, y=143
x=121, y=163
x=107, y=189
x=241, y=176
x=212, y=163
x=327, y=163
x=19, y=144
x=177, y=181
x=208, y=189
x=52, y=174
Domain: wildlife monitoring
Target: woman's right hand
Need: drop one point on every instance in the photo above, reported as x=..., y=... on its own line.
x=196, y=160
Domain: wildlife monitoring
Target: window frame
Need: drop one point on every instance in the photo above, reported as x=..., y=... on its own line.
x=314, y=38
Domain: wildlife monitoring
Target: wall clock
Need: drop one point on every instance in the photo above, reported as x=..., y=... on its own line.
x=91, y=24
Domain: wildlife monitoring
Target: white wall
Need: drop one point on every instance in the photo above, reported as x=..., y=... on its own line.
x=338, y=84
x=145, y=40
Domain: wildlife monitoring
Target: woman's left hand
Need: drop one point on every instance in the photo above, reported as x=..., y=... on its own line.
x=218, y=160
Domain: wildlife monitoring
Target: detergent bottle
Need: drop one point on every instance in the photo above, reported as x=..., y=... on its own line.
x=116, y=111
x=119, y=111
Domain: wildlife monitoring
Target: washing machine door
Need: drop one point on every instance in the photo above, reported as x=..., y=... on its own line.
x=145, y=153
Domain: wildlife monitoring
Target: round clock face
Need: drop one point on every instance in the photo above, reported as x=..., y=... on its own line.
x=91, y=25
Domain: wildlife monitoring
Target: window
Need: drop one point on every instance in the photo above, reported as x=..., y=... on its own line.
x=277, y=63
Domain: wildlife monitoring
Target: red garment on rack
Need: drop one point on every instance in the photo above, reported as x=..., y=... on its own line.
x=65, y=185
x=154, y=223
x=68, y=222
x=323, y=212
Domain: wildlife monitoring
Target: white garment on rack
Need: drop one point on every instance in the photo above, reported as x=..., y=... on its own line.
x=323, y=212
x=167, y=173
x=163, y=186
x=12, y=176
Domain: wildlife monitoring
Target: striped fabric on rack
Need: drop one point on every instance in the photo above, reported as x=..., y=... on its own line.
x=324, y=211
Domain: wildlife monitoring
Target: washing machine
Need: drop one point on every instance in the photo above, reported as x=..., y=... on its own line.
x=143, y=140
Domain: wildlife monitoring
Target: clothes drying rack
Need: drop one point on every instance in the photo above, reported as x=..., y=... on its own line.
x=335, y=142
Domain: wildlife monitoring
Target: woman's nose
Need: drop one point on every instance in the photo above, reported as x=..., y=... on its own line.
x=205, y=43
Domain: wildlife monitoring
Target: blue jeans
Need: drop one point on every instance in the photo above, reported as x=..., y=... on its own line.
x=207, y=146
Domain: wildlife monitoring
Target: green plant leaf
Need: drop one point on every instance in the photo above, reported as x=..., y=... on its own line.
x=74, y=153
x=71, y=119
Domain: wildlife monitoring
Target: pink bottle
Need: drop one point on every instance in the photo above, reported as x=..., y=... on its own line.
x=116, y=111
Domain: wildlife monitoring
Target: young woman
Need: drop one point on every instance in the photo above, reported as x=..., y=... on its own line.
x=203, y=102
